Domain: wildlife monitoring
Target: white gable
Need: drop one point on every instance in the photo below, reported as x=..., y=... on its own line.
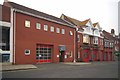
x=88, y=30
x=97, y=31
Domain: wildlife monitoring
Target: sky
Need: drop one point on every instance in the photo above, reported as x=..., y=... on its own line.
x=103, y=11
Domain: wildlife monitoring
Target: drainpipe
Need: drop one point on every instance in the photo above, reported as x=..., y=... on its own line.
x=14, y=27
x=74, y=46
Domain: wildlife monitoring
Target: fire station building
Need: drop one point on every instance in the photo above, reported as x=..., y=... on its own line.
x=37, y=37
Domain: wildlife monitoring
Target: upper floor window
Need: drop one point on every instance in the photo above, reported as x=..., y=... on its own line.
x=105, y=44
x=27, y=23
x=45, y=27
x=63, y=31
x=95, y=40
x=38, y=25
x=86, y=39
x=102, y=41
x=78, y=38
x=96, y=32
x=117, y=42
x=52, y=29
x=58, y=30
x=111, y=44
x=71, y=33
x=108, y=44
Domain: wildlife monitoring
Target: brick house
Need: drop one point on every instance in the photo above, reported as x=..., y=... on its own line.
x=108, y=46
x=88, y=37
x=38, y=37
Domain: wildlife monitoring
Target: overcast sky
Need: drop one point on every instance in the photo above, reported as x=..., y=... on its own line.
x=103, y=11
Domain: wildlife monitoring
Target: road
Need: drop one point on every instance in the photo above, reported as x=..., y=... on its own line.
x=60, y=70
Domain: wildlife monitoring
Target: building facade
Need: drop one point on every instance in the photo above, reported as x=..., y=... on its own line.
x=38, y=37
x=5, y=24
x=30, y=36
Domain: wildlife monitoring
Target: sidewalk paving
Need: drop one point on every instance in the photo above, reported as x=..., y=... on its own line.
x=10, y=67
x=77, y=63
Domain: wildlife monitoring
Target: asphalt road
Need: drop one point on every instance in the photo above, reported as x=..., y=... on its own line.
x=52, y=70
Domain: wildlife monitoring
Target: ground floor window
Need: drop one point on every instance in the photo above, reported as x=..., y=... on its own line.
x=5, y=57
x=4, y=38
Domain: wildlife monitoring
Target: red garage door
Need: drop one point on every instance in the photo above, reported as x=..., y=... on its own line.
x=95, y=55
x=43, y=53
x=110, y=56
x=86, y=55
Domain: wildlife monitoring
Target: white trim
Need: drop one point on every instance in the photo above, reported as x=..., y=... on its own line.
x=6, y=24
x=11, y=37
x=4, y=52
x=74, y=46
x=14, y=14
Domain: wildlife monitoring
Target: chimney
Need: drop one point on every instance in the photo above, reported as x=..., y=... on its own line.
x=112, y=31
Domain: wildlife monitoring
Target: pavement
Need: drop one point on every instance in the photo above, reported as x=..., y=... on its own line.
x=10, y=67
x=77, y=63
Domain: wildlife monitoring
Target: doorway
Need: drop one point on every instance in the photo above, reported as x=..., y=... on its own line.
x=62, y=54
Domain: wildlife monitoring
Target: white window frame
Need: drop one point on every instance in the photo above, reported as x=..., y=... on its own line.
x=27, y=23
x=78, y=38
x=52, y=29
x=78, y=54
x=27, y=52
x=38, y=25
x=71, y=33
x=57, y=30
x=63, y=31
x=45, y=27
x=86, y=39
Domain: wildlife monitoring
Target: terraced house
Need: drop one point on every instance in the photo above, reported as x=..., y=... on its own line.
x=89, y=39
x=30, y=36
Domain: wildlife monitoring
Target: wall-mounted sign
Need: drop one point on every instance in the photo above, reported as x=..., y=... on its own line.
x=65, y=56
x=27, y=52
x=62, y=48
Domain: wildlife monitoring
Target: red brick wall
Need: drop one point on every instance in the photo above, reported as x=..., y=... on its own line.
x=27, y=38
x=101, y=46
x=6, y=12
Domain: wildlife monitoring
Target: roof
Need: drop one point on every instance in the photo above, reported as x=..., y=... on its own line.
x=71, y=20
x=75, y=22
x=83, y=23
x=94, y=24
x=108, y=35
x=35, y=12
